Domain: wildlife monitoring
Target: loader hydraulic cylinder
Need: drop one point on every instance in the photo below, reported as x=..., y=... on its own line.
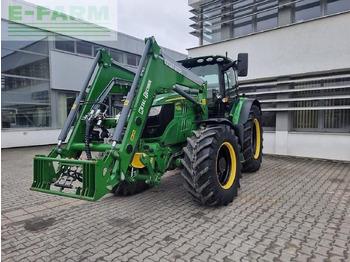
x=130, y=97
x=74, y=110
x=178, y=90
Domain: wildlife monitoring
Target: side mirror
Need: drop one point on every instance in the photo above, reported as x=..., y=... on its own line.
x=242, y=64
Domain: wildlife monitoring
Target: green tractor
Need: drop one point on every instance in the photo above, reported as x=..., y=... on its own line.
x=128, y=127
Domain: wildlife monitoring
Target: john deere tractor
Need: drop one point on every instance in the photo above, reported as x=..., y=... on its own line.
x=128, y=127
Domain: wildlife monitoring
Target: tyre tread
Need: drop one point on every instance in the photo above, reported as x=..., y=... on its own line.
x=197, y=180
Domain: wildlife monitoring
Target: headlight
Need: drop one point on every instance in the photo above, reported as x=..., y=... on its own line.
x=155, y=110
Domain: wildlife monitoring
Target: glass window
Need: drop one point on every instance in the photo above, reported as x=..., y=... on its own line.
x=24, y=64
x=305, y=119
x=132, y=59
x=40, y=46
x=25, y=103
x=230, y=82
x=211, y=11
x=34, y=43
x=24, y=90
x=211, y=32
x=336, y=6
x=307, y=9
x=211, y=23
x=269, y=120
x=84, y=48
x=244, y=17
x=243, y=22
x=208, y=73
x=117, y=55
x=24, y=116
x=242, y=27
x=242, y=4
x=267, y=19
x=337, y=119
x=64, y=44
x=25, y=84
x=322, y=120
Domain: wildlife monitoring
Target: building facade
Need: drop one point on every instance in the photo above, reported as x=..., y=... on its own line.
x=299, y=67
x=42, y=74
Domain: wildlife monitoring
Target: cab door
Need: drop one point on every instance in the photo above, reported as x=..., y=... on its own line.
x=231, y=84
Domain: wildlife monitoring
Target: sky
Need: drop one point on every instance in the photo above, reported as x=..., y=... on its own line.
x=167, y=20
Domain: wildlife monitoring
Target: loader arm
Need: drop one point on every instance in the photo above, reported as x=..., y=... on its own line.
x=157, y=74
x=161, y=75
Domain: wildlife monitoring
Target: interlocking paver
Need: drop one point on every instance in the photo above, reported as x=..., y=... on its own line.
x=292, y=209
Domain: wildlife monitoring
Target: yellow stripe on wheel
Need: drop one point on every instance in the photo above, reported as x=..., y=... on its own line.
x=232, y=175
x=258, y=138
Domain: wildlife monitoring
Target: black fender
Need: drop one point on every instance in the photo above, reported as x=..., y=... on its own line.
x=239, y=129
x=247, y=105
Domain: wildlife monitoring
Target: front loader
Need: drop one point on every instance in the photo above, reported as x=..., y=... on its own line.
x=128, y=127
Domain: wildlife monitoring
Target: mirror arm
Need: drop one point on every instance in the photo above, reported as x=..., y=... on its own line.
x=229, y=65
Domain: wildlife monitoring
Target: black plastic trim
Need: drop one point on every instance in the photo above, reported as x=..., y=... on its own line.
x=246, y=109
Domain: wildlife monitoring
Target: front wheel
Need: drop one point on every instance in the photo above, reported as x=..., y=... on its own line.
x=125, y=188
x=253, y=141
x=212, y=166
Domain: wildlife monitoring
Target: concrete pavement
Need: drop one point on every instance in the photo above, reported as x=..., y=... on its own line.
x=293, y=209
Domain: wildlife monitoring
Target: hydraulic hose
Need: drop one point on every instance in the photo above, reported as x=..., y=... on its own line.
x=87, y=140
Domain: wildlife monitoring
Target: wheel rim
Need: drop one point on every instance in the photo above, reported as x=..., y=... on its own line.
x=256, y=139
x=226, y=165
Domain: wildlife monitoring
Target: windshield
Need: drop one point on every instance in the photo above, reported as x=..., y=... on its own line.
x=208, y=73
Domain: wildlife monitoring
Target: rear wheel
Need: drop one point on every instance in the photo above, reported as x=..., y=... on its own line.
x=252, y=144
x=211, y=165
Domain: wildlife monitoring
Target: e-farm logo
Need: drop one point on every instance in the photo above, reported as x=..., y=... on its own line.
x=16, y=13
x=92, y=19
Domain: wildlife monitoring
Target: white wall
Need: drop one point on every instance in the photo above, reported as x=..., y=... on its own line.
x=317, y=145
x=317, y=46
x=314, y=46
x=28, y=138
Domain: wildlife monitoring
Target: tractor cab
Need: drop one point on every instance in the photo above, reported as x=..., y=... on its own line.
x=220, y=73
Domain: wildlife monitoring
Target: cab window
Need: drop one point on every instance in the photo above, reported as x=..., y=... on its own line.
x=208, y=73
x=230, y=82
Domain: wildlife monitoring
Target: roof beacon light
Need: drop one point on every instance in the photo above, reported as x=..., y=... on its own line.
x=209, y=59
x=219, y=59
x=201, y=60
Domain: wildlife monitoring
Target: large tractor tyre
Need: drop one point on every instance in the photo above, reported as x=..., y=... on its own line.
x=125, y=188
x=212, y=168
x=253, y=141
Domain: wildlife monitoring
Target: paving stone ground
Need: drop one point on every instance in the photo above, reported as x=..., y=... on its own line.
x=293, y=209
